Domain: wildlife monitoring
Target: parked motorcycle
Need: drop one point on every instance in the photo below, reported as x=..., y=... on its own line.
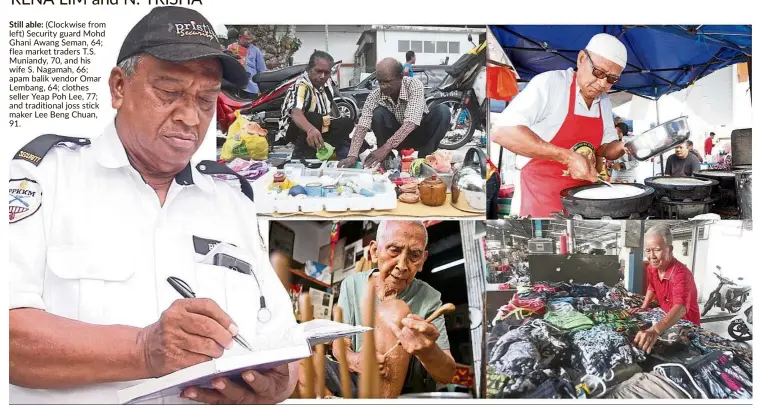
x=463, y=91
x=728, y=295
x=266, y=105
x=741, y=328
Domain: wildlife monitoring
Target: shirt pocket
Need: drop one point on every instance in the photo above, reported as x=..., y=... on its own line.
x=236, y=293
x=89, y=286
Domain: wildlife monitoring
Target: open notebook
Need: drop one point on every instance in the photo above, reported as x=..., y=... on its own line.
x=268, y=351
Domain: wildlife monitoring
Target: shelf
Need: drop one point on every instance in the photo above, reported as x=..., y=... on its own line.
x=310, y=279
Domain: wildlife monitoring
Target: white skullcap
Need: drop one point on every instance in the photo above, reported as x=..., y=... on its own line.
x=608, y=47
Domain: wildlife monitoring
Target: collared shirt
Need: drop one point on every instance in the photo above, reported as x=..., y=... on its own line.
x=542, y=106
x=305, y=96
x=421, y=298
x=254, y=65
x=676, y=288
x=410, y=107
x=100, y=247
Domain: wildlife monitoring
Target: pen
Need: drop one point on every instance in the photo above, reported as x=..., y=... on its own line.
x=184, y=290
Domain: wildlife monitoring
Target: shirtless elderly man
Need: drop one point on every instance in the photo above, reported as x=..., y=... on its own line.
x=404, y=302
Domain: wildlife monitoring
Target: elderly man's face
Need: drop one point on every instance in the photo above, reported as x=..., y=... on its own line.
x=400, y=255
x=658, y=252
x=389, y=82
x=592, y=87
x=682, y=151
x=165, y=109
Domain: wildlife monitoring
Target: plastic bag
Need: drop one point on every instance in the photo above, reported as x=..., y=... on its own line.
x=245, y=140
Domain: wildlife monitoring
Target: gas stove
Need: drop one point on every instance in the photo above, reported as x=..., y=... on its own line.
x=667, y=209
x=578, y=217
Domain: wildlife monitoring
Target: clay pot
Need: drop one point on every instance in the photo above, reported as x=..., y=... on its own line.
x=433, y=191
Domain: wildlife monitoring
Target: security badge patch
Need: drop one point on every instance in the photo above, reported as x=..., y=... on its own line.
x=25, y=198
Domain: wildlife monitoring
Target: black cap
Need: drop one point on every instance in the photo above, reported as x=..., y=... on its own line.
x=179, y=34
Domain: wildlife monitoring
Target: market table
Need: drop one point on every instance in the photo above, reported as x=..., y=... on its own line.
x=418, y=210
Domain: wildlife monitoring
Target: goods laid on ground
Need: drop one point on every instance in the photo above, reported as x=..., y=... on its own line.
x=561, y=340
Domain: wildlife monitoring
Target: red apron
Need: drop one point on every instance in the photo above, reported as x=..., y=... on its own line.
x=543, y=180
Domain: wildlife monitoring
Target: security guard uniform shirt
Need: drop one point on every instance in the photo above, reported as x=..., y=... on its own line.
x=91, y=242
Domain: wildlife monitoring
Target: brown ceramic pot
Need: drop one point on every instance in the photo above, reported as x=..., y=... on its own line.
x=433, y=191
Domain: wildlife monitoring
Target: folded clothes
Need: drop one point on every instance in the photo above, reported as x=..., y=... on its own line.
x=599, y=349
x=569, y=320
x=584, y=290
x=645, y=386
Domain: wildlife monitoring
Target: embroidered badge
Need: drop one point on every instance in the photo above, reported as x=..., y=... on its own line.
x=24, y=199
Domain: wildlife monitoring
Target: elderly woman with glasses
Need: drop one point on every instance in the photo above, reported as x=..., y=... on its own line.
x=559, y=126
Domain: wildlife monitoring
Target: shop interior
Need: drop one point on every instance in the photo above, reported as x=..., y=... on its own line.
x=316, y=256
x=600, y=265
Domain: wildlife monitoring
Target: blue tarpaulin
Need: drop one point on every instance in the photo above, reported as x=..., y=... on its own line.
x=661, y=60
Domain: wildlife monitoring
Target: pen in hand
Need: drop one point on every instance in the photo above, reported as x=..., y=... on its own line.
x=184, y=290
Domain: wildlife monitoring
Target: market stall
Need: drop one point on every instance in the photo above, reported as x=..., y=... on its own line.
x=567, y=327
x=682, y=56
x=317, y=256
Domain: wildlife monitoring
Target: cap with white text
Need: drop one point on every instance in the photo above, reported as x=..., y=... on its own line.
x=179, y=34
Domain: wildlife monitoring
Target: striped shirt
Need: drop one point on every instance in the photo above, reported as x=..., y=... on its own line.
x=304, y=96
x=410, y=108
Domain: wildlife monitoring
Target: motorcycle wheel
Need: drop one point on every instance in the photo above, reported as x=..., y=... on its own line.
x=739, y=331
x=709, y=304
x=453, y=140
x=345, y=110
x=737, y=306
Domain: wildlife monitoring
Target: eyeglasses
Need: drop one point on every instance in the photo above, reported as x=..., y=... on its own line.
x=600, y=74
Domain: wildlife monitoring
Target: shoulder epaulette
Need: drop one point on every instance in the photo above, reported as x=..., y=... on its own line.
x=210, y=167
x=38, y=148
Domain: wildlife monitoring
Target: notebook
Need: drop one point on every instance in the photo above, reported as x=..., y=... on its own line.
x=268, y=351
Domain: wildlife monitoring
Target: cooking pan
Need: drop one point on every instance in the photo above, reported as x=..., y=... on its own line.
x=659, y=139
x=608, y=207
x=671, y=188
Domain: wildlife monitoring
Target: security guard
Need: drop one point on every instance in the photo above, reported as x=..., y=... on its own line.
x=98, y=227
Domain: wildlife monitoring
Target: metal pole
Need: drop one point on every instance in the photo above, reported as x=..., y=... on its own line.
x=475, y=275
x=695, y=237
x=657, y=123
x=571, y=236
x=326, y=38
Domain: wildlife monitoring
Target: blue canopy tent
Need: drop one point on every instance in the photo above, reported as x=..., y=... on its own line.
x=661, y=60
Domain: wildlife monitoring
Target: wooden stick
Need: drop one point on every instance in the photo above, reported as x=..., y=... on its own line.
x=319, y=362
x=443, y=309
x=305, y=306
x=369, y=379
x=343, y=364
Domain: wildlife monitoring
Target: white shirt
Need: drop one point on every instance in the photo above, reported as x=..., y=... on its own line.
x=542, y=106
x=100, y=248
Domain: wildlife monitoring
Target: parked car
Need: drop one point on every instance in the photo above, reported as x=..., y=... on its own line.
x=429, y=75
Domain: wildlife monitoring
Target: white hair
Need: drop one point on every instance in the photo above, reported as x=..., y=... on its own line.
x=662, y=230
x=380, y=234
x=129, y=64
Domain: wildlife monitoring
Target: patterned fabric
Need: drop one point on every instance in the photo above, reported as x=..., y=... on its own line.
x=600, y=349
x=304, y=96
x=410, y=108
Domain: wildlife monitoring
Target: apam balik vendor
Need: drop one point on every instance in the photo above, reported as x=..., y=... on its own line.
x=560, y=125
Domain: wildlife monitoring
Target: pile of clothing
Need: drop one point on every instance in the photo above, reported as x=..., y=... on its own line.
x=560, y=340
